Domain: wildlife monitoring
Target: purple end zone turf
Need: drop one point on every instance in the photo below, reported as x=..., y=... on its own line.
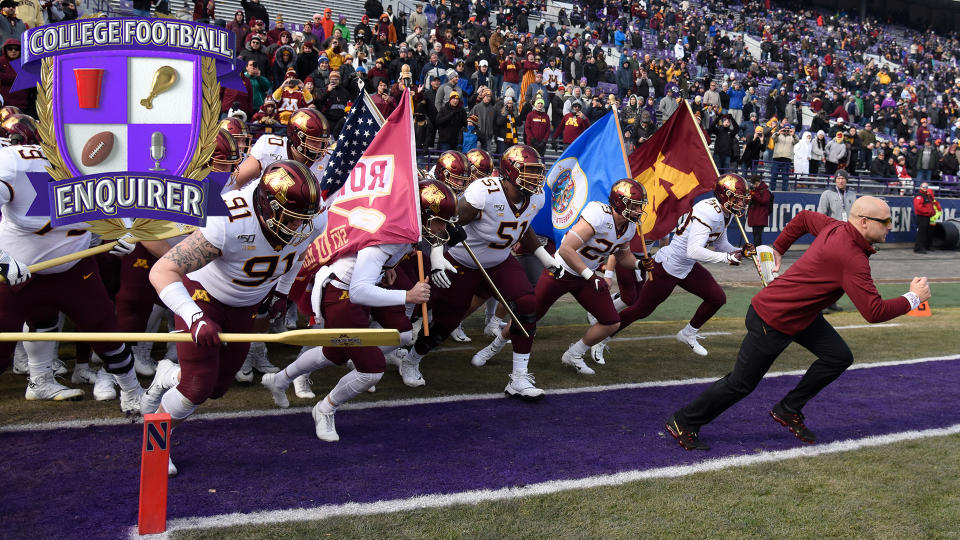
x=83, y=482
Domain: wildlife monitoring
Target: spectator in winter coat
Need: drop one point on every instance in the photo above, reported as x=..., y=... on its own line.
x=240, y=29
x=307, y=61
x=259, y=85
x=836, y=150
x=572, y=124
x=332, y=101
x=254, y=51
x=752, y=150
x=536, y=127
x=507, y=125
x=486, y=112
x=382, y=99
x=451, y=119
x=801, y=155
x=925, y=205
x=445, y=91
x=761, y=204
x=818, y=152
x=284, y=59
x=254, y=10
x=725, y=142
x=8, y=73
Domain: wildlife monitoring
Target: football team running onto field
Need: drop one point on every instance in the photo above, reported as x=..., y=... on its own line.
x=234, y=274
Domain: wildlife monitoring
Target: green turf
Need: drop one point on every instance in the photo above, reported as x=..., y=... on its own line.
x=882, y=492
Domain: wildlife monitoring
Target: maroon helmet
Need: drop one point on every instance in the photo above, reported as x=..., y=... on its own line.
x=481, y=163
x=20, y=129
x=628, y=198
x=437, y=202
x=521, y=165
x=732, y=193
x=8, y=111
x=286, y=201
x=453, y=169
x=308, y=132
x=226, y=155
x=238, y=129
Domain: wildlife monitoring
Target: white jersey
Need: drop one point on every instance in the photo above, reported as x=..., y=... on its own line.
x=361, y=272
x=702, y=238
x=270, y=149
x=499, y=225
x=30, y=239
x=604, y=241
x=248, y=266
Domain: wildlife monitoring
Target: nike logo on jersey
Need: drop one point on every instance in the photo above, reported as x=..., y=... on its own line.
x=85, y=276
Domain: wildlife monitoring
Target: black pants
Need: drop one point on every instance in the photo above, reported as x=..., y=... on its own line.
x=923, y=234
x=758, y=235
x=759, y=349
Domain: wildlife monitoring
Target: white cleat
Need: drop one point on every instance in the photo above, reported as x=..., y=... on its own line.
x=396, y=356
x=691, y=340
x=59, y=368
x=46, y=388
x=591, y=319
x=410, y=373
x=21, y=365
x=291, y=318
x=82, y=374
x=575, y=361
x=372, y=389
x=493, y=327
x=130, y=402
x=258, y=359
x=278, y=390
x=164, y=380
x=245, y=374
x=485, y=354
x=301, y=387
x=597, y=351
x=326, y=427
x=105, y=387
x=521, y=386
x=142, y=362
x=459, y=335
x=171, y=468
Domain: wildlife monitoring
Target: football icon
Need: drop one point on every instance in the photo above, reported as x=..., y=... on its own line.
x=97, y=149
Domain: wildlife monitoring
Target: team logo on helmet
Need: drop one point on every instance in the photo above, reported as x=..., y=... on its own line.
x=434, y=196
x=628, y=198
x=732, y=193
x=279, y=181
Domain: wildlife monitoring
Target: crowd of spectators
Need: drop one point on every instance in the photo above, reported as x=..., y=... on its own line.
x=821, y=92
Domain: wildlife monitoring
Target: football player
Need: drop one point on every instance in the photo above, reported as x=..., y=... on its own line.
x=217, y=279
x=601, y=231
x=241, y=134
x=74, y=288
x=308, y=135
x=678, y=263
x=493, y=215
x=349, y=295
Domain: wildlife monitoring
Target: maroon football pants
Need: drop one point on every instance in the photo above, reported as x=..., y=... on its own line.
x=136, y=296
x=654, y=291
x=597, y=302
x=339, y=312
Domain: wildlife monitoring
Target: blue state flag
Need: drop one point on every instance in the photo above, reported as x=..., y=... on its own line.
x=585, y=172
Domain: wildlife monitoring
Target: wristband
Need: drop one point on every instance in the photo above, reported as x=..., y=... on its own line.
x=913, y=299
x=609, y=274
x=586, y=273
x=176, y=297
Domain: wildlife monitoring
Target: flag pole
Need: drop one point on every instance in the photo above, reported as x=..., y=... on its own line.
x=496, y=291
x=756, y=259
x=426, y=322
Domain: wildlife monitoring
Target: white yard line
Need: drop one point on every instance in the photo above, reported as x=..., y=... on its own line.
x=73, y=424
x=542, y=488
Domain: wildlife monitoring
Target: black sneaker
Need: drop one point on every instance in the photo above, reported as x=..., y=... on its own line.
x=687, y=438
x=794, y=422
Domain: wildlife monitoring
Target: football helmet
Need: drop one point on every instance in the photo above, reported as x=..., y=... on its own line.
x=628, y=198
x=453, y=169
x=20, y=129
x=437, y=202
x=238, y=129
x=8, y=111
x=286, y=201
x=732, y=193
x=481, y=164
x=308, y=132
x=226, y=155
x=521, y=166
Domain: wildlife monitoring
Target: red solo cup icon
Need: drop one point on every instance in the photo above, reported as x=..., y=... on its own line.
x=88, y=86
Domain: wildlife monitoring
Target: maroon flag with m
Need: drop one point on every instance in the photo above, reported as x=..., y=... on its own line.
x=675, y=166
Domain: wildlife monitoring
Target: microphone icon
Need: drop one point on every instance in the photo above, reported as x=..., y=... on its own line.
x=157, y=150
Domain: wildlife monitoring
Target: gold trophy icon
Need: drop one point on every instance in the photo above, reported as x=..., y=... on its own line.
x=163, y=79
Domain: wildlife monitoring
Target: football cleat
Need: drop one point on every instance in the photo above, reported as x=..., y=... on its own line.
x=82, y=374
x=131, y=401
x=46, y=388
x=521, y=386
x=171, y=468
x=688, y=438
x=410, y=373
x=278, y=390
x=691, y=340
x=301, y=387
x=142, y=362
x=165, y=379
x=396, y=356
x=459, y=335
x=325, y=426
x=485, y=354
x=575, y=361
x=493, y=327
x=21, y=364
x=290, y=320
x=597, y=351
x=59, y=368
x=104, y=389
x=794, y=422
x=259, y=360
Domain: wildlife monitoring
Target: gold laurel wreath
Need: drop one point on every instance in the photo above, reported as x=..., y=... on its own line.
x=199, y=167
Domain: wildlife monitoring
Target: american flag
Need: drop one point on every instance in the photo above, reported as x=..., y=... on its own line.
x=361, y=125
